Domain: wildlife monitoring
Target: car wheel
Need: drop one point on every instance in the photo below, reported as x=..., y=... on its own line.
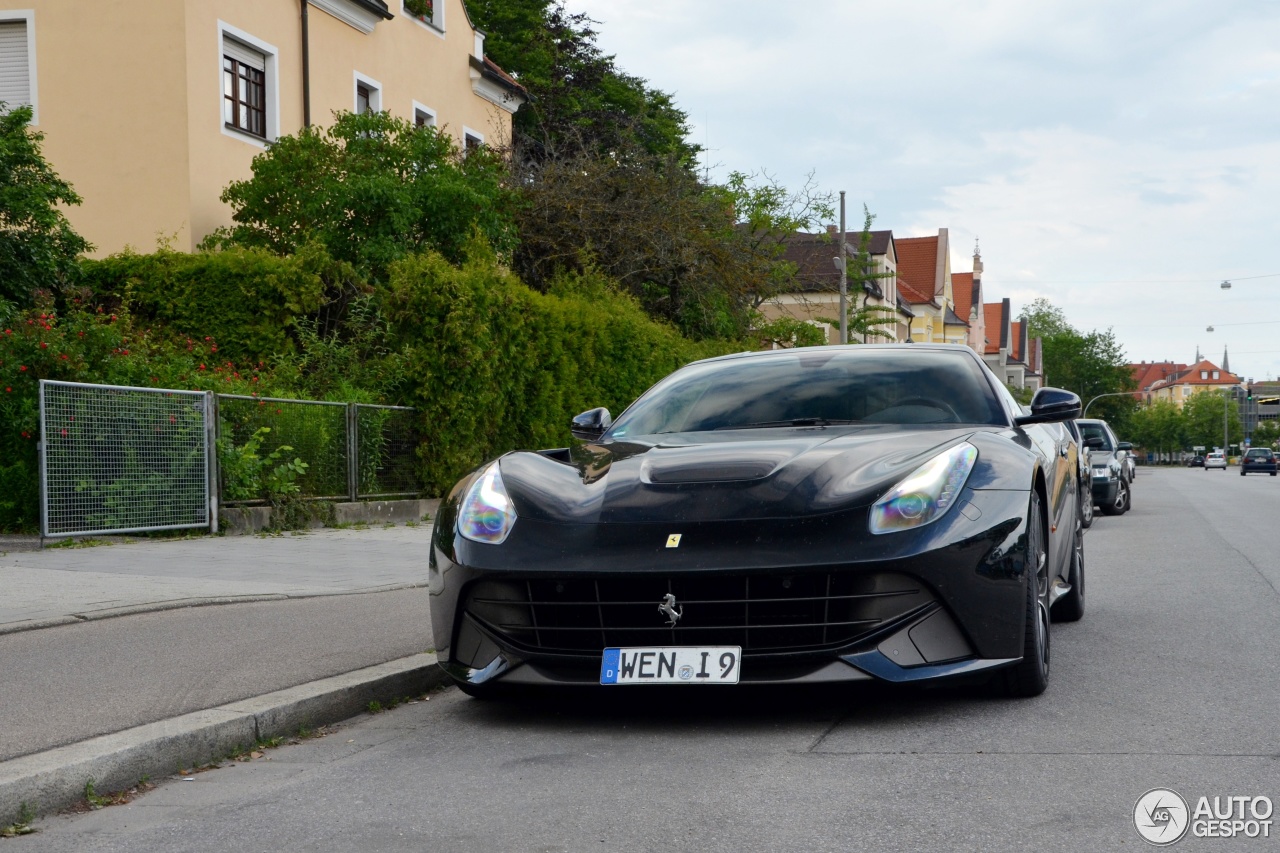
x=1120, y=505
x=1070, y=608
x=1086, y=507
x=1030, y=676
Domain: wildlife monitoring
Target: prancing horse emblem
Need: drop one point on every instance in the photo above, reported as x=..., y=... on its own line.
x=669, y=609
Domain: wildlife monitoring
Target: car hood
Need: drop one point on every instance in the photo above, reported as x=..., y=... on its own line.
x=773, y=473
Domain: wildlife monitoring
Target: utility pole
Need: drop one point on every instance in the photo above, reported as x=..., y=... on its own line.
x=844, y=279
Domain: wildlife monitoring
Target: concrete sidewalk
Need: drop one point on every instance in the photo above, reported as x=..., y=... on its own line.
x=63, y=585
x=106, y=675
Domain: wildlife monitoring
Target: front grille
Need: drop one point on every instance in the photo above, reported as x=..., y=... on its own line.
x=776, y=613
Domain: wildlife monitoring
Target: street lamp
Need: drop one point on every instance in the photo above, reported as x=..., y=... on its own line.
x=1085, y=414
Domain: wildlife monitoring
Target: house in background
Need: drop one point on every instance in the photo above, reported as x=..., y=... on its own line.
x=816, y=297
x=1198, y=378
x=924, y=279
x=1010, y=352
x=151, y=107
x=966, y=289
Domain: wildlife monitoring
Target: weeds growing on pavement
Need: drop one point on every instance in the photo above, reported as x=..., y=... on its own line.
x=22, y=825
x=93, y=800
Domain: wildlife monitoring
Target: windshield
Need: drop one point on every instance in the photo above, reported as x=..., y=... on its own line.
x=1088, y=431
x=817, y=387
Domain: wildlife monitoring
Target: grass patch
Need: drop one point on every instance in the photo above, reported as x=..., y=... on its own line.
x=93, y=800
x=22, y=825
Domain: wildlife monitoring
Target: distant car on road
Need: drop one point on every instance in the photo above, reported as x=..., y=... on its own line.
x=1215, y=460
x=1130, y=459
x=1196, y=461
x=1259, y=460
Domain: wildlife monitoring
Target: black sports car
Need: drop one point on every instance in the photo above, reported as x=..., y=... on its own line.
x=825, y=514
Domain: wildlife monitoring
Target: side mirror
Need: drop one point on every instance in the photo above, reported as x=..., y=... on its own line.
x=589, y=426
x=1094, y=443
x=1124, y=445
x=1051, y=405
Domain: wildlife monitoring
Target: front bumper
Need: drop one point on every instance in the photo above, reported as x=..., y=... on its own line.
x=945, y=600
x=1105, y=489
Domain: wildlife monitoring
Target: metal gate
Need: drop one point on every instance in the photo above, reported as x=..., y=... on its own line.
x=116, y=459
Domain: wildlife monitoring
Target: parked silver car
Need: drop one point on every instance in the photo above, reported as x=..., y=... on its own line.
x=1112, y=490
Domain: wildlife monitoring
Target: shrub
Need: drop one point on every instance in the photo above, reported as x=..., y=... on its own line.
x=500, y=366
x=246, y=299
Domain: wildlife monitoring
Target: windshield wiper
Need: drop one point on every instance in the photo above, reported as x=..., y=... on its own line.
x=794, y=422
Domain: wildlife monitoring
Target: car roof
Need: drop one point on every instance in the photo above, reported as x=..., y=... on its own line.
x=912, y=347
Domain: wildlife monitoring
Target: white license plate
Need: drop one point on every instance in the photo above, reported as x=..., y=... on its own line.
x=671, y=665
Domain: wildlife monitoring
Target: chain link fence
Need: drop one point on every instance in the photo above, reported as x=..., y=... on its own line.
x=350, y=451
x=122, y=460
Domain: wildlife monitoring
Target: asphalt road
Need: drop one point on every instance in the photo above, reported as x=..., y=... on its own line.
x=1171, y=680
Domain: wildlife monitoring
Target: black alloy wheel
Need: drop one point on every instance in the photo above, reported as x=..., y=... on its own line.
x=1030, y=676
x=1070, y=607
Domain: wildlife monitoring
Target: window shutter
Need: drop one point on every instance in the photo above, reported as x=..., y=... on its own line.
x=243, y=53
x=15, y=70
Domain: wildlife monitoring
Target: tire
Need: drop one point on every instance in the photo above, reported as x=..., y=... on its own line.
x=1070, y=608
x=1086, y=506
x=1123, y=498
x=1030, y=676
x=1242, y=473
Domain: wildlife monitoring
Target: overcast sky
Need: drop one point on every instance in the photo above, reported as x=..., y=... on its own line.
x=1119, y=159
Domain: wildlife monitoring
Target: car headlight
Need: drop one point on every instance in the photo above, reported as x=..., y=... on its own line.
x=487, y=513
x=927, y=493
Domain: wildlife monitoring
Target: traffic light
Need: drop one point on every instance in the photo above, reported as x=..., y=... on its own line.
x=1250, y=396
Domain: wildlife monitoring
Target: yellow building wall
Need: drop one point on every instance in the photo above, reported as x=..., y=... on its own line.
x=113, y=110
x=130, y=100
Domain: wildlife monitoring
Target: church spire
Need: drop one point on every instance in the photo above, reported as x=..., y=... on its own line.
x=1225, y=367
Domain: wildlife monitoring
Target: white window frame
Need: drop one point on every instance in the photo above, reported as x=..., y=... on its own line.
x=271, y=55
x=436, y=25
x=419, y=107
x=375, y=91
x=28, y=16
x=474, y=134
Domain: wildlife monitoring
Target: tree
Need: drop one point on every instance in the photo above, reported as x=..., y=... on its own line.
x=1203, y=416
x=1089, y=363
x=1266, y=433
x=581, y=101
x=38, y=247
x=1158, y=426
x=371, y=189
x=701, y=258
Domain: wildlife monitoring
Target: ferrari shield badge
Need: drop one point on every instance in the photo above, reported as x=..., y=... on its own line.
x=673, y=541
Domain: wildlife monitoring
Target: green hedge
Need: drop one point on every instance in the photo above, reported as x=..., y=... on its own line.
x=500, y=366
x=246, y=299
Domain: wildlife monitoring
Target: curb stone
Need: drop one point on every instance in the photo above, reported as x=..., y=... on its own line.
x=55, y=779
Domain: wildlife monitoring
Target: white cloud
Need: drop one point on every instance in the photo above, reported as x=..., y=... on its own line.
x=1082, y=141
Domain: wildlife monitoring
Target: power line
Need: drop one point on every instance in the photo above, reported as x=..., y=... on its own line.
x=1201, y=281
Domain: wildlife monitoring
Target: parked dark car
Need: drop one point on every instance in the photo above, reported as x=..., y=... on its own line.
x=1111, y=482
x=1196, y=461
x=863, y=513
x=1259, y=460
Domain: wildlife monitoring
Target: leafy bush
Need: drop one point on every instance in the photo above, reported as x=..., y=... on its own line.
x=500, y=366
x=246, y=299
x=248, y=474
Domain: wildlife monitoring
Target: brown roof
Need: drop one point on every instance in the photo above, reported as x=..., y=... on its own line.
x=962, y=291
x=993, y=317
x=1015, y=347
x=1147, y=374
x=812, y=254
x=918, y=264
x=1191, y=376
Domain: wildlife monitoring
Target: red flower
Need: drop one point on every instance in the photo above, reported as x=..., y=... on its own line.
x=64, y=356
x=43, y=345
x=124, y=352
x=22, y=367
x=64, y=432
x=8, y=390
x=207, y=338
x=172, y=419
x=214, y=348
x=202, y=367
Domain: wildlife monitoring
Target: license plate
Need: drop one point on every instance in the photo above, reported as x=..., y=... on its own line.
x=671, y=665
